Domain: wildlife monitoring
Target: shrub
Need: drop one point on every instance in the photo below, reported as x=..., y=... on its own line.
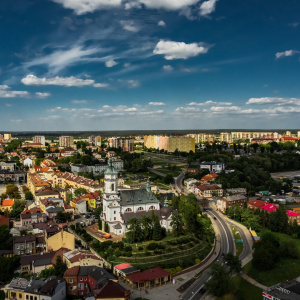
x=140, y=248
x=128, y=248
x=147, y=253
x=128, y=253
x=197, y=261
x=152, y=246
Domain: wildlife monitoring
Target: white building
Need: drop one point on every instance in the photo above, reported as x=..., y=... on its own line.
x=212, y=166
x=40, y=139
x=121, y=206
x=28, y=162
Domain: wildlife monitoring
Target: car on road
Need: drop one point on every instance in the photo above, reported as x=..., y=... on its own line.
x=215, y=218
x=202, y=291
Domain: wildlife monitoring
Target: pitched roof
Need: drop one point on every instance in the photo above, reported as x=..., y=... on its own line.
x=60, y=252
x=111, y=290
x=7, y=202
x=26, y=238
x=257, y=203
x=72, y=271
x=270, y=207
x=292, y=213
x=204, y=187
x=123, y=266
x=139, y=196
x=148, y=275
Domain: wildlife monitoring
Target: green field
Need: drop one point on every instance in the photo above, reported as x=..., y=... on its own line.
x=285, y=268
x=239, y=246
x=242, y=290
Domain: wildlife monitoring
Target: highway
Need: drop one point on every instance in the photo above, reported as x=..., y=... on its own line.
x=227, y=245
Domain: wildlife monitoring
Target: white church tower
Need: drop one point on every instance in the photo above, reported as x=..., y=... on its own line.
x=111, y=198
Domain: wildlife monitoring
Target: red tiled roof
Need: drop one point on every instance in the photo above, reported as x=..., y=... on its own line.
x=270, y=207
x=111, y=290
x=123, y=266
x=72, y=271
x=148, y=275
x=257, y=203
x=8, y=202
x=33, y=210
x=292, y=213
x=203, y=187
x=60, y=252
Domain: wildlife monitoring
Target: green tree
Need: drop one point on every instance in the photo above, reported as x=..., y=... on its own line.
x=218, y=285
x=46, y=273
x=28, y=196
x=233, y=262
x=168, y=179
x=134, y=233
x=62, y=217
x=17, y=208
x=7, y=267
x=177, y=224
x=6, y=238
x=279, y=221
x=80, y=192
x=12, y=191
x=60, y=267
x=2, y=295
x=106, y=227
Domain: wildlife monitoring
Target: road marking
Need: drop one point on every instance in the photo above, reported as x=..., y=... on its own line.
x=225, y=233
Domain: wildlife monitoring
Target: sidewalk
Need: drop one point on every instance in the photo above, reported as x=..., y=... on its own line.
x=169, y=291
x=254, y=282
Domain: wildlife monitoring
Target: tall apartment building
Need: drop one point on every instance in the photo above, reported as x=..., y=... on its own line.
x=163, y=143
x=126, y=144
x=96, y=140
x=150, y=141
x=7, y=137
x=206, y=138
x=225, y=137
x=248, y=135
x=1, y=137
x=181, y=143
x=40, y=139
x=66, y=141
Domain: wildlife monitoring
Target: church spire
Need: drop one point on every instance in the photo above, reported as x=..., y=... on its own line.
x=148, y=186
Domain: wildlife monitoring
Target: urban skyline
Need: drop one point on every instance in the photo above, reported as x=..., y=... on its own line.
x=111, y=65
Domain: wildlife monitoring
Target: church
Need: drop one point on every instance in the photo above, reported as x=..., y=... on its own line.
x=119, y=206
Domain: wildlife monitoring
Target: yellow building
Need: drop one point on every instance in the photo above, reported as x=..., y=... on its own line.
x=241, y=135
x=150, y=141
x=181, y=143
x=62, y=239
x=35, y=182
x=16, y=289
x=6, y=204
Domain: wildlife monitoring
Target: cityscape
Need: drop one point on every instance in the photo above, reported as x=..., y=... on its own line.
x=149, y=150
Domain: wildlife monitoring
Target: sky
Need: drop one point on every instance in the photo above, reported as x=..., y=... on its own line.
x=149, y=64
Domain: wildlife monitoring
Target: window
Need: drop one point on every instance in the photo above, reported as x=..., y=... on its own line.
x=140, y=208
x=71, y=280
x=18, y=246
x=84, y=279
x=20, y=295
x=128, y=210
x=151, y=207
x=81, y=279
x=114, y=212
x=26, y=296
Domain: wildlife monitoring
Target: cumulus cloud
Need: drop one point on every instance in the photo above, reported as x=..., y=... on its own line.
x=209, y=102
x=81, y=7
x=168, y=4
x=274, y=100
x=168, y=68
x=129, y=26
x=161, y=23
x=6, y=92
x=79, y=101
x=133, y=83
x=100, y=85
x=207, y=7
x=110, y=63
x=179, y=50
x=60, y=59
x=286, y=53
x=157, y=103
x=42, y=95
x=61, y=81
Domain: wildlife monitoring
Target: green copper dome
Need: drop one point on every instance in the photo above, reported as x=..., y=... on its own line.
x=110, y=169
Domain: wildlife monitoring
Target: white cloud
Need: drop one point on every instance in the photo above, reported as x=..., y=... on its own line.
x=126, y=65
x=61, y=81
x=133, y=83
x=79, y=101
x=161, y=23
x=133, y=4
x=179, y=50
x=224, y=109
x=129, y=26
x=130, y=109
x=207, y=7
x=110, y=63
x=86, y=6
x=6, y=92
x=100, y=85
x=168, y=4
x=42, y=95
x=286, y=53
x=209, y=102
x=60, y=59
x=168, y=68
x=274, y=100
x=156, y=103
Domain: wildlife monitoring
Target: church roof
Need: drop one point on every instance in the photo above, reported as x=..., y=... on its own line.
x=110, y=170
x=135, y=197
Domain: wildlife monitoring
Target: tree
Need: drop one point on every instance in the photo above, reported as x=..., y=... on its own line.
x=218, y=285
x=279, y=221
x=6, y=238
x=46, y=273
x=147, y=227
x=17, y=208
x=12, y=191
x=2, y=295
x=177, y=225
x=233, y=262
x=7, y=267
x=62, y=217
x=134, y=233
x=28, y=196
x=106, y=227
x=80, y=192
x=168, y=179
x=60, y=267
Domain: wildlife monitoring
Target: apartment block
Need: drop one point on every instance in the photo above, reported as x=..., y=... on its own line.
x=39, y=139
x=184, y=144
x=126, y=144
x=66, y=141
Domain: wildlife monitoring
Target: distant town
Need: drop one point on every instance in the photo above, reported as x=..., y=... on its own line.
x=156, y=216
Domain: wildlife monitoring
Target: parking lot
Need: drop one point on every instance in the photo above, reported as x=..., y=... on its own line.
x=289, y=174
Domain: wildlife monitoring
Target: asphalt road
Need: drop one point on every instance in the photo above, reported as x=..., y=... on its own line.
x=227, y=245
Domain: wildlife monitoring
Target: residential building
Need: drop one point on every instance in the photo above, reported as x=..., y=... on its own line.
x=209, y=177
x=39, y=139
x=229, y=201
x=256, y=204
x=6, y=204
x=181, y=143
x=78, y=257
x=122, y=270
x=61, y=239
x=8, y=165
x=49, y=192
x=66, y=141
x=112, y=290
x=195, y=169
x=29, y=218
x=235, y=191
x=36, y=183
x=28, y=162
x=26, y=245
x=212, y=166
x=126, y=144
x=207, y=190
x=71, y=276
x=4, y=220
x=16, y=289
x=53, y=289
x=290, y=290
x=96, y=140
x=91, y=200
x=97, y=169
x=121, y=206
x=7, y=137
x=64, y=179
x=35, y=263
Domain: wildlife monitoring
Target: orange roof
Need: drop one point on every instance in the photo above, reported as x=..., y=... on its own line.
x=8, y=202
x=33, y=210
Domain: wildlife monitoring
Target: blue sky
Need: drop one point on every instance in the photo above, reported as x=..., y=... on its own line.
x=149, y=64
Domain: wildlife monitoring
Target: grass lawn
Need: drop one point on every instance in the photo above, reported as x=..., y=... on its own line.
x=285, y=268
x=239, y=246
x=242, y=289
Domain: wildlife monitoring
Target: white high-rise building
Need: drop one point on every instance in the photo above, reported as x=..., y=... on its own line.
x=66, y=141
x=40, y=139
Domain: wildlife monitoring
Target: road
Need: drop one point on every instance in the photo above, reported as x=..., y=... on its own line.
x=227, y=246
x=178, y=183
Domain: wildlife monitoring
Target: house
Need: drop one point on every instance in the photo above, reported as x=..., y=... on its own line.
x=148, y=279
x=16, y=289
x=35, y=263
x=209, y=177
x=212, y=166
x=194, y=169
x=26, y=245
x=28, y=162
x=71, y=276
x=31, y=218
x=61, y=239
x=121, y=206
x=49, y=192
x=229, y=201
x=91, y=200
x=122, y=270
x=80, y=206
x=256, y=204
x=6, y=204
x=112, y=290
x=289, y=290
x=235, y=191
x=78, y=257
x=36, y=183
x=208, y=191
